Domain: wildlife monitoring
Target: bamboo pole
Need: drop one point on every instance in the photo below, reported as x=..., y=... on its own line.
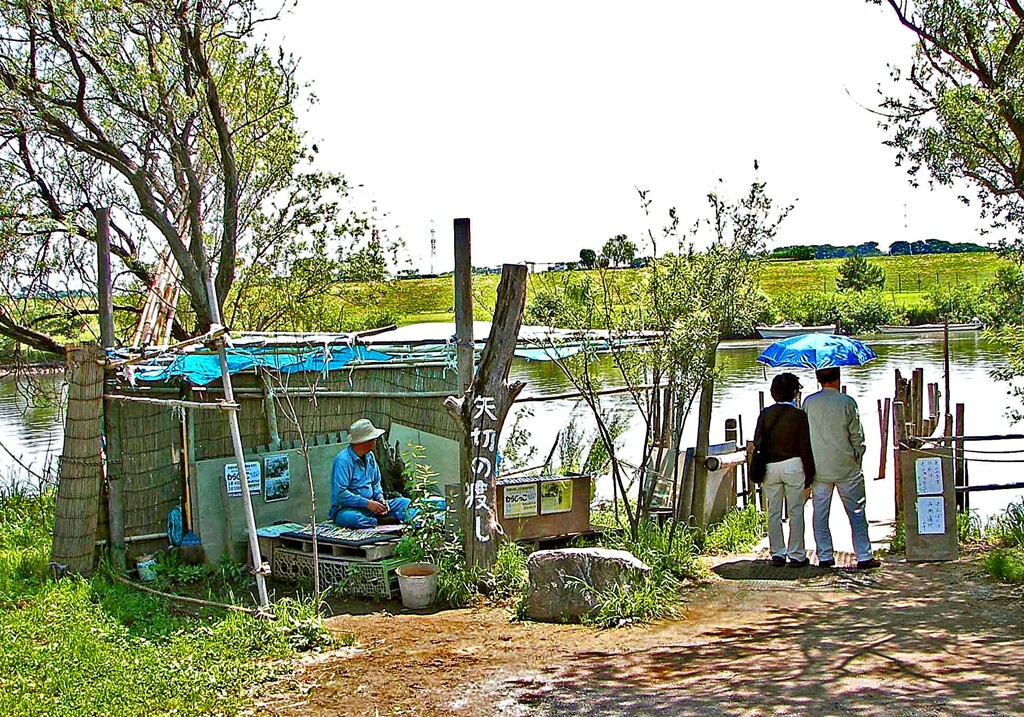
x=173, y=402
x=236, y=441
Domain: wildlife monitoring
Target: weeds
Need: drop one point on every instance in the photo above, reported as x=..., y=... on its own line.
x=968, y=527
x=1006, y=564
x=1008, y=529
x=738, y=532
x=898, y=540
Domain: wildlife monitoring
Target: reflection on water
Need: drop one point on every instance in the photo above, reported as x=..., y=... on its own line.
x=31, y=424
x=32, y=429
x=971, y=363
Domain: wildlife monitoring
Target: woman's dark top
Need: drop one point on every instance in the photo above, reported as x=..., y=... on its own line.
x=788, y=436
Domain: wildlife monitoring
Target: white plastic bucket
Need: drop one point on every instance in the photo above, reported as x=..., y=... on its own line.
x=418, y=584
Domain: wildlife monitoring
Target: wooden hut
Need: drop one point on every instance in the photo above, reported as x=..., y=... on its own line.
x=164, y=448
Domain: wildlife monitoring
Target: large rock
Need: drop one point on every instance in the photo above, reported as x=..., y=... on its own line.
x=567, y=584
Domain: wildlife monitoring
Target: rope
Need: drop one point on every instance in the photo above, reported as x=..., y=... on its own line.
x=969, y=460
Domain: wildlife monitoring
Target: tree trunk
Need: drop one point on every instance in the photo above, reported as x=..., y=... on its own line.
x=700, y=473
x=481, y=413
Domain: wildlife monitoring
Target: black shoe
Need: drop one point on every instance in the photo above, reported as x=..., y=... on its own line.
x=826, y=563
x=799, y=563
x=868, y=564
x=778, y=561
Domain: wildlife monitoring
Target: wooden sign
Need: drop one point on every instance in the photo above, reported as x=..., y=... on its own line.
x=929, y=504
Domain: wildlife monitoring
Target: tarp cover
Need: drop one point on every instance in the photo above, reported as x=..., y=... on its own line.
x=202, y=369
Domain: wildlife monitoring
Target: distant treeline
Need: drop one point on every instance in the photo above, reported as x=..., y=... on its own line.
x=870, y=248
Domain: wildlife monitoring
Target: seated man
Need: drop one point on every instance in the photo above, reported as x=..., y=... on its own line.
x=356, y=497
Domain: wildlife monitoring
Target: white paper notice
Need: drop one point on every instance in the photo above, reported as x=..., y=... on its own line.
x=929, y=476
x=931, y=516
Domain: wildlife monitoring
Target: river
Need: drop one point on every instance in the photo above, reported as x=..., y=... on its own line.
x=31, y=426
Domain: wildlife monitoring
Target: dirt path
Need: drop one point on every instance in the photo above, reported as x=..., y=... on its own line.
x=936, y=639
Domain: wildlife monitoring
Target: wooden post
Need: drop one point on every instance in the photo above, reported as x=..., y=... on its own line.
x=481, y=414
x=883, y=427
x=917, y=401
x=114, y=480
x=105, y=307
x=945, y=364
x=464, y=303
x=270, y=411
x=959, y=464
x=760, y=402
x=899, y=438
x=700, y=470
x=80, y=466
x=933, y=408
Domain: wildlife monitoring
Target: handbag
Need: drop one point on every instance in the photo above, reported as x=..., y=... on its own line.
x=759, y=460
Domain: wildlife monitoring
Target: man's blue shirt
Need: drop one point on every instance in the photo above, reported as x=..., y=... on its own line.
x=354, y=481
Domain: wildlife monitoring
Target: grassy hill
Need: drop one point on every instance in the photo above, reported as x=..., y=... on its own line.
x=908, y=281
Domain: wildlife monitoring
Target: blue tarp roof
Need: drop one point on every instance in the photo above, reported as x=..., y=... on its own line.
x=202, y=369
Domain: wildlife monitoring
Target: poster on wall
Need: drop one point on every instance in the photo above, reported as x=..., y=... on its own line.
x=520, y=501
x=929, y=476
x=253, y=476
x=931, y=515
x=555, y=496
x=277, y=482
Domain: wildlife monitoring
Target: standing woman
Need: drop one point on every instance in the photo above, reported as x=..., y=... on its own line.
x=784, y=437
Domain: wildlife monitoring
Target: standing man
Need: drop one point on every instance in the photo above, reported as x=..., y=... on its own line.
x=357, y=500
x=837, y=442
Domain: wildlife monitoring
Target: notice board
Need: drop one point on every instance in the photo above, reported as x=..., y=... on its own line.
x=929, y=504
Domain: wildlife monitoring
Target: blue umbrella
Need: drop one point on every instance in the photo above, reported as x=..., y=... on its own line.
x=817, y=351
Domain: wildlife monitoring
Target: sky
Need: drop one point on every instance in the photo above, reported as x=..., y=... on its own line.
x=539, y=120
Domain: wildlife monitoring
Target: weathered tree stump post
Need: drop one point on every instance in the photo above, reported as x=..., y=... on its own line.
x=481, y=414
x=80, y=466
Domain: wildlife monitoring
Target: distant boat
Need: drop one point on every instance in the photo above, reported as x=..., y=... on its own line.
x=789, y=328
x=930, y=328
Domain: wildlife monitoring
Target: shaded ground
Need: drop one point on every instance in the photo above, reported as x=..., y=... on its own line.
x=932, y=639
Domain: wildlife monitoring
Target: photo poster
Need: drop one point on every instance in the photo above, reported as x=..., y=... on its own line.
x=931, y=515
x=555, y=496
x=253, y=474
x=929, y=476
x=520, y=501
x=276, y=479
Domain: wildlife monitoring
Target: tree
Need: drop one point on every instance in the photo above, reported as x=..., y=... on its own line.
x=684, y=305
x=168, y=112
x=958, y=111
x=619, y=250
x=588, y=258
x=856, y=274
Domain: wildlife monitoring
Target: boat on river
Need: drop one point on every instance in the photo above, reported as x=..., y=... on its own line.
x=929, y=328
x=790, y=328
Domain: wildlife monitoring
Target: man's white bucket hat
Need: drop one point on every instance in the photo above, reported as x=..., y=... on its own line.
x=362, y=431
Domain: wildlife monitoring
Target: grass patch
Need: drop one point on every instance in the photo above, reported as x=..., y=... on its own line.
x=1006, y=564
x=1007, y=529
x=96, y=647
x=739, y=531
